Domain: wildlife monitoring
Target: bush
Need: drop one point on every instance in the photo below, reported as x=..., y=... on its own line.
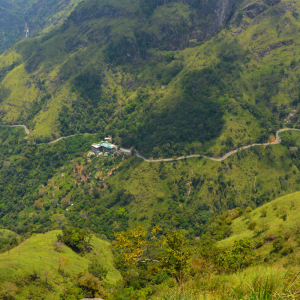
x=278, y=245
x=170, y=56
x=263, y=213
x=91, y=286
x=75, y=238
x=252, y=225
x=97, y=270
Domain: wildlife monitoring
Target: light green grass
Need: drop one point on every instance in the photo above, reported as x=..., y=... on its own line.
x=276, y=224
x=38, y=255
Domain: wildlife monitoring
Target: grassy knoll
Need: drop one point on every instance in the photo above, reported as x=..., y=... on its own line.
x=35, y=261
x=273, y=210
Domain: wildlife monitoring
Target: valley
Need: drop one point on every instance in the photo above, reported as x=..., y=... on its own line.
x=197, y=195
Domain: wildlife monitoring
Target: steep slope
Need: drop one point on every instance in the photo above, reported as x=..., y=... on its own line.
x=38, y=184
x=274, y=230
x=32, y=268
x=38, y=14
x=107, y=69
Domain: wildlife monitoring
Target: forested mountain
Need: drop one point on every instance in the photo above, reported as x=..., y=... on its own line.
x=38, y=14
x=168, y=78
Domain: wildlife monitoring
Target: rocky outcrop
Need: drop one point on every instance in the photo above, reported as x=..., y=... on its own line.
x=274, y=46
x=206, y=18
x=254, y=9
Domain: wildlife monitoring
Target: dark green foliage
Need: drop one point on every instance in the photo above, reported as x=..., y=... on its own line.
x=237, y=257
x=75, y=238
x=252, y=225
x=146, y=7
x=7, y=242
x=170, y=56
x=91, y=110
x=97, y=270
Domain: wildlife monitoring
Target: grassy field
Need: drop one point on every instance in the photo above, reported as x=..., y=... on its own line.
x=275, y=224
x=37, y=257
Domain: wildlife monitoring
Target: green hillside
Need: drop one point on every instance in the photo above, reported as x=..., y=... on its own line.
x=272, y=232
x=102, y=73
x=33, y=266
x=169, y=79
x=39, y=182
x=274, y=221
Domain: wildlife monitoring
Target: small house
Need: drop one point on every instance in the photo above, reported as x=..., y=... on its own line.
x=104, y=147
x=107, y=147
x=96, y=148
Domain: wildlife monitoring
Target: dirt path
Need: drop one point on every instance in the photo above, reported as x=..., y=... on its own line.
x=128, y=151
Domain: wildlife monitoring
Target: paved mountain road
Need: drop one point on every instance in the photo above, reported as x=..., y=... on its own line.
x=128, y=151
x=278, y=141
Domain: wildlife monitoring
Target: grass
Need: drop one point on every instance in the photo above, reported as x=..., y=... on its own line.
x=252, y=284
x=275, y=224
x=37, y=255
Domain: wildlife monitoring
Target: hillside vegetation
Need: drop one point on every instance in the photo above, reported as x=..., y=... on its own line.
x=40, y=16
x=272, y=231
x=112, y=71
x=39, y=184
x=36, y=270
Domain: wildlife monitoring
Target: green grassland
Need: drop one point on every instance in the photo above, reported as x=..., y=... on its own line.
x=33, y=266
x=72, y=79
x=287, y=203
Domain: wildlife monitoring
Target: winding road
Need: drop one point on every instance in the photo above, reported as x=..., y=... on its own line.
x=278, y=141
x=128, y=151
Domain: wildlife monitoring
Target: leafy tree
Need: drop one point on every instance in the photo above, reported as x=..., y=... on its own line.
x=170, y=56
x=75, y=238
x=174, y=256
x=239, y=256
x=91, y=286
x=97, y=270
x=252, y=225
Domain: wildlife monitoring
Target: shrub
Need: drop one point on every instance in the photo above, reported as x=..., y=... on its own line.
x=170, y=56
x=75, y=238
x=252, y=225
x=97, y=270
x=8, y=291
x=263, y=213
x=91, y=286
x=262, y=227
x=278, y=245
x=249, y=209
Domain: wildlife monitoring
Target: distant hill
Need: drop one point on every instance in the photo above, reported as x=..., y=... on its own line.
x=38, y=14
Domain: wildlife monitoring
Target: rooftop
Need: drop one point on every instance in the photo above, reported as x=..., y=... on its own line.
x=106, y=145
x=96, y=145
